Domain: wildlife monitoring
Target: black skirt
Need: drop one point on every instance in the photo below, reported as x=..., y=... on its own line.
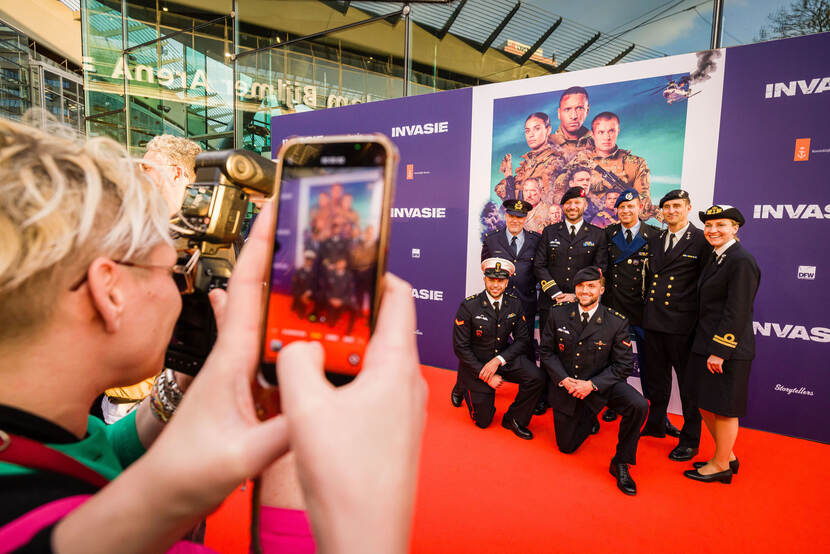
x=724, y=393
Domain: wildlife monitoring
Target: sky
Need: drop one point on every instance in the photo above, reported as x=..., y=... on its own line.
x=687, y=31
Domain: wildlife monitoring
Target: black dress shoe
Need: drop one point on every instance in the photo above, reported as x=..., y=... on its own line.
x=724, y=477
x=671, y=430
x=609, y=415
x=456, y=398
x=652, y=432
x=513, y=425
x=541, y=407
x=624, y=481
x=733, y=465
x=682, y=453
x=595, y=427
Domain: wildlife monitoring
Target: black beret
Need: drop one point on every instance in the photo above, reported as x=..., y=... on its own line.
x=723, y=211
x=674, y=195
x=590, y=273
x=519, y=208
x=573, y=192
x=626, y=196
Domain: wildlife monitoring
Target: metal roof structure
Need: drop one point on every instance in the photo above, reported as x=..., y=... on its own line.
x=535, y=33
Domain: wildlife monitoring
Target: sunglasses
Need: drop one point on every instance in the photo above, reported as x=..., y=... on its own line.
x=184, y=274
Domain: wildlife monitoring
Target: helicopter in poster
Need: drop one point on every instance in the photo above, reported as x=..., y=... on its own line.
x=679, y=88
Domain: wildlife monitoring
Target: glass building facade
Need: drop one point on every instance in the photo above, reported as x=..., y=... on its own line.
x=29, y=79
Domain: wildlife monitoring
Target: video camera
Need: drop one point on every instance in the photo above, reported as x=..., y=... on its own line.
x=205, y=229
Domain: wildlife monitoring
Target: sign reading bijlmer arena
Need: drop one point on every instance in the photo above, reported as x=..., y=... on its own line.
x=745, y=126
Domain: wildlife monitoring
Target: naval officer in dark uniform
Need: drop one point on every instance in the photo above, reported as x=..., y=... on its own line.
x=490, y=339
x=565, y=248
x=724, y=343
x=675, y=259
x=627, y=255
x=514, y=243
x=586, y=352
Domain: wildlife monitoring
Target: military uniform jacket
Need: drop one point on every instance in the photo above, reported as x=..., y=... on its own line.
x=631, y=171
x=625, y=277
x=726, y=291
x=478, y=336
x=558, y=258
x=600, y=353
x=523, y=282
x=339, y=286
x=671, y=282
x=542, y=165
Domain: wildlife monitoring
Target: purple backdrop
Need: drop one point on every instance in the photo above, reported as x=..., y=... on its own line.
x=428, y=241
x=787, y=207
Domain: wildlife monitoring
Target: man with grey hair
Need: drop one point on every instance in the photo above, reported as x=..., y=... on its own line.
x=170, y=162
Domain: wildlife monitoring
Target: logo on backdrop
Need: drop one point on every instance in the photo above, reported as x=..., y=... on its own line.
x=423, y=213
x=429, y=294
x=815, y=85
x=421, y=129
x=790, y=331
x=790, y=211
x=793, y=390
x=416, y=252
x=802, y=150
x=807, y=272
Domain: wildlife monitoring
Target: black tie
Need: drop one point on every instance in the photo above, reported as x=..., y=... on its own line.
x=584, y=319
x=671, y=242
x=496, y=307
x=514, y=247
x=573, y=232
x=628, y=236
x=714, y=257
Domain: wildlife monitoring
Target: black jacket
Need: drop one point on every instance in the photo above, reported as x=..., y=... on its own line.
x=523, y=282
x=624, y=277
x=726, y=292
x=671, y=282
x=478, y=337
x=600, y=353
x=558, y=259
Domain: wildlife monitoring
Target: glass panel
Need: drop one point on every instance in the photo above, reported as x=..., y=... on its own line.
x=14, y=74
x=760, y=20
x=51, y=81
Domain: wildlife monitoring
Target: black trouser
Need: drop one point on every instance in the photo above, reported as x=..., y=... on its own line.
x=529, y=311
x=664, y=351
x=572, y=430
x=530, y=380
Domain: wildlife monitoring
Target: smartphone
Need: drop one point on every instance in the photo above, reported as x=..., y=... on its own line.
x=331, y=238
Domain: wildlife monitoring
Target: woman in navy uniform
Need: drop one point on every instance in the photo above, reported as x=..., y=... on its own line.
x=487, y=355
x=724, y=344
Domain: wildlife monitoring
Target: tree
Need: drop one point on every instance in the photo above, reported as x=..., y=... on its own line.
x=802, y=17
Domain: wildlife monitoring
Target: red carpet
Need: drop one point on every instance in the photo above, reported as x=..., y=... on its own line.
x=489, y=491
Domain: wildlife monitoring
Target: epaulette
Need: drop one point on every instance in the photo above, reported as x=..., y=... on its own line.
x=533, y=233
x=511, y=292
x=471, y=297
x=618, y=314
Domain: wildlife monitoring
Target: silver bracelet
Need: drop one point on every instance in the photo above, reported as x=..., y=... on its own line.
x=166, y=396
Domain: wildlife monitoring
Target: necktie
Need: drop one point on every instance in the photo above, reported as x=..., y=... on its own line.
x=714, y=257
x=514, y=247
x=584, y=319
x=671, y=242
x=628, y=236
x=573, y=232
x=496, y=307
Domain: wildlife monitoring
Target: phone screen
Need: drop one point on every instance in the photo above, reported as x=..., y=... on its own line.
x=324, y=269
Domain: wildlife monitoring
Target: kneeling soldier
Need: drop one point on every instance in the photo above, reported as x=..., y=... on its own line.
x=487, y=356
x=586, y=351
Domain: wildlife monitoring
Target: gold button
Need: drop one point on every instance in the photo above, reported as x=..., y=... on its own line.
x=669, y=286
x=577, y=353
x=668, y=294
x=667, y=303
x=656, y=276
x=580, y=343
x=499, y=325
x=652, y=291
x=576, y=366
x=670, y=278
x=651, y=299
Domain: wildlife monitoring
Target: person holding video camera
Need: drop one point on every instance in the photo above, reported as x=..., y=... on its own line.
x=87, y=302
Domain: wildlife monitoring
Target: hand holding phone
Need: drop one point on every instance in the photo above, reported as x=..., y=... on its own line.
x=330, y=245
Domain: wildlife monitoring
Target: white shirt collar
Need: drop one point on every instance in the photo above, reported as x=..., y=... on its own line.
x=577, y=225
x=678, y=234
x=634, y=230
x=589, y=312
x=721, y=249
x=493, y=300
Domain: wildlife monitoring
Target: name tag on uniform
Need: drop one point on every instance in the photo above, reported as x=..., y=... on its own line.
x=588, y=243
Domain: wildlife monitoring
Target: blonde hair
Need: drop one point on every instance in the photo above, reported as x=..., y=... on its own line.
x=64, y=202
x=180, y=151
